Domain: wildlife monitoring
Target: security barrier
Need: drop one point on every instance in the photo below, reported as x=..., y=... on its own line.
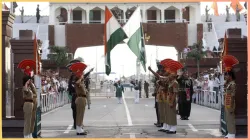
x=53, y=100
x=208, y=99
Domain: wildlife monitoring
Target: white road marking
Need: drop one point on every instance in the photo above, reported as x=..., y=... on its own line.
x=192, y=127
x=68, y=129
x=104, y=106
x=127, y=111
x=146, y=105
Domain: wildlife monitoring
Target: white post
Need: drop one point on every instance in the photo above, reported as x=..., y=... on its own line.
x=162, y=16
x=87, y=15
x=69, y=12
x=144, y=14
x=181, y=16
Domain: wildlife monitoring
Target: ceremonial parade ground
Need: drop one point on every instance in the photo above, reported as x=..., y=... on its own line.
x=107, y=119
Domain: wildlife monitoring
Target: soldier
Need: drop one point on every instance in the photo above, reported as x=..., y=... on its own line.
x=81, y=95
x=156, y=94
x=166, y=126
x=229, y=95
x=28, y=66
x=160, y=96
x=87, y=84
x=33, y=118
x=146, y=85
x=185, y=94
x=72, y=92
x=172, y=95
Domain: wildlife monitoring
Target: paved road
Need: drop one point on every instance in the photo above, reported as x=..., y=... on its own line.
x=107, y=119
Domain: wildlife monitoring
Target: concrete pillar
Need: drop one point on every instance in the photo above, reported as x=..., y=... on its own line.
x=162, y=16
x=87, y=16
x=69, y=12
x=181, y=16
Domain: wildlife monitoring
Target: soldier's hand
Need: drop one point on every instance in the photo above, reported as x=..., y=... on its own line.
x=149, y=68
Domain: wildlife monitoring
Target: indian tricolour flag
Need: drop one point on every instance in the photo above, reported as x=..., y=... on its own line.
x=134, y=30
x=113, y=35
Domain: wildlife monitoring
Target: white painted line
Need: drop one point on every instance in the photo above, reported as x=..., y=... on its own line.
x=104, y=106
x=192, y=127
x=146, y=105
x=132, y=136
x=127, y=111
x=68, y=129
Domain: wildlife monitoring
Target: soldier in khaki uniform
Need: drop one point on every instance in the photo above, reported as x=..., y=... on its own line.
x=27, y=66
x=162, y=96
x=229, y=95
x=81, y=94
x=166, y=84
x=172, y=95
x=158, y=95
x=33, y=118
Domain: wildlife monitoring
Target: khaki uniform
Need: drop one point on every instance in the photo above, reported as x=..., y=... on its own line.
x=80, y=103
x=166, y=106
x=229, y=102
x=33, y=118
x=172, y=113
x=161, y=104
x=27, y=110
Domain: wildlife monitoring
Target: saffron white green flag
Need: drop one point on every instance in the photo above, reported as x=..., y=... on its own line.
x=134, y=30
x=113, y=35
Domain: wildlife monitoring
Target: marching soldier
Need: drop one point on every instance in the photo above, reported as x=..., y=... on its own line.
x=172, y=95
x=81, y=95
x=185, y=95
x=28, y=66
x=229, y=95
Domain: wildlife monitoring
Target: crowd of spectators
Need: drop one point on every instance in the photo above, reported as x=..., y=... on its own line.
x=52, y=83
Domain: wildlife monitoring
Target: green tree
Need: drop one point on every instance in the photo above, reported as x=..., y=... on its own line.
x=197, y=53
x=59, y=55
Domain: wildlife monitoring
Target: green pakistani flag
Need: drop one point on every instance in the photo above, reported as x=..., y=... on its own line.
x=134, y=30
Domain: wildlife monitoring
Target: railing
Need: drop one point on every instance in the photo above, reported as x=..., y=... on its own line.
x=208, y=98
x=120, y=21
x=51, y=101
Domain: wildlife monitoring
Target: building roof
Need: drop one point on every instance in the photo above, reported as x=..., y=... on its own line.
x=32, y=19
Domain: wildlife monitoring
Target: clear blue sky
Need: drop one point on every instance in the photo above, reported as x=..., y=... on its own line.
x=30, y=7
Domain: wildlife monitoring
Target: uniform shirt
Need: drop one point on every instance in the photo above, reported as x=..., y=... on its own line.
x=80, y=89
x=27, y=93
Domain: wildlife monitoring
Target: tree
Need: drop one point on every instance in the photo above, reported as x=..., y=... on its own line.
x=59, y=55
x=197, y=53
x=80, y=59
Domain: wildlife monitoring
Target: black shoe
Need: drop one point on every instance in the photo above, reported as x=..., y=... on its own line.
x=166, y=131
x=186, y=118
x=158, y=125
x=182, y=118
x=88, y=107
x=161, y=130
x=171, y=132
x=83, y=133
x=74, y=127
